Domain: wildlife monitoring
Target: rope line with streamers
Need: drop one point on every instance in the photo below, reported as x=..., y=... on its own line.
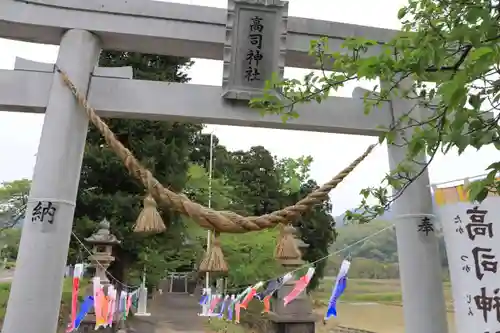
x=309, y=264
x=220, y=221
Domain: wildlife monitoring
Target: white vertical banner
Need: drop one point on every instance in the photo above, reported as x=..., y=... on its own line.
x=472, y=234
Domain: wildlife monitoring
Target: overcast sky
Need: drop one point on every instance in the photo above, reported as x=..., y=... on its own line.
x=20, y=133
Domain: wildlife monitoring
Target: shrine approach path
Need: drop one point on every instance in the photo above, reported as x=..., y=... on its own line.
x=171, y=313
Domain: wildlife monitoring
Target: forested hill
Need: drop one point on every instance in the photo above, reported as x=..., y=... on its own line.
x=376, y=257
x=339, y=220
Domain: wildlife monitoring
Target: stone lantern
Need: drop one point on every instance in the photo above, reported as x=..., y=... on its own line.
x=102, y=248
x=298, y=316
x=102, y=243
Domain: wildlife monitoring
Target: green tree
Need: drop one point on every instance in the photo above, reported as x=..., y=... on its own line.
x=445, y=59
x=9, y=242
x=253, y=175
x=148, y=66
x=198, y=188
x=106, y=190
x=222, y=161
x=250, y=257
x=293, y=172
x=257, y=183
x=13, y=199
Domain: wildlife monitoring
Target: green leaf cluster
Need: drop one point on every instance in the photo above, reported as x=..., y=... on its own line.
x=444, y=61
x=13, y=199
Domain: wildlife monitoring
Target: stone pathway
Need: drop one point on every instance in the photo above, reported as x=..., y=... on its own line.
x=6, y=275
x=171, y=313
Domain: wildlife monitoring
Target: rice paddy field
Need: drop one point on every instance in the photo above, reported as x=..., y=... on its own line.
x=373, y=305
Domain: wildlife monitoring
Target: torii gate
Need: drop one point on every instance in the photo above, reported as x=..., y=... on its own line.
x=82, y=28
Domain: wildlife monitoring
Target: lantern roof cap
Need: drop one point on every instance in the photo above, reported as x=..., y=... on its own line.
x=103, y=236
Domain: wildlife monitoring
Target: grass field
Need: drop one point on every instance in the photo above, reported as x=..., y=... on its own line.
x=373, y=305
x=364, y=290
x=66, y=298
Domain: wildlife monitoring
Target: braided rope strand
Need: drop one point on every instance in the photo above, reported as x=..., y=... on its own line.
x=221, y=221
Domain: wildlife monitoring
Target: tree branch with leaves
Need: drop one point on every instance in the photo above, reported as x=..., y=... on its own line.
x=13, y=200
x=449, y=53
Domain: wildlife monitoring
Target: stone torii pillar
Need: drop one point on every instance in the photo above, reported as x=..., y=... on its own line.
x=49, y=215
x=418, y=253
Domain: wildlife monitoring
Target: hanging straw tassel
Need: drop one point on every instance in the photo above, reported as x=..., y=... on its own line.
x=149, y=220
x=214, y=261
x=287, y=248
